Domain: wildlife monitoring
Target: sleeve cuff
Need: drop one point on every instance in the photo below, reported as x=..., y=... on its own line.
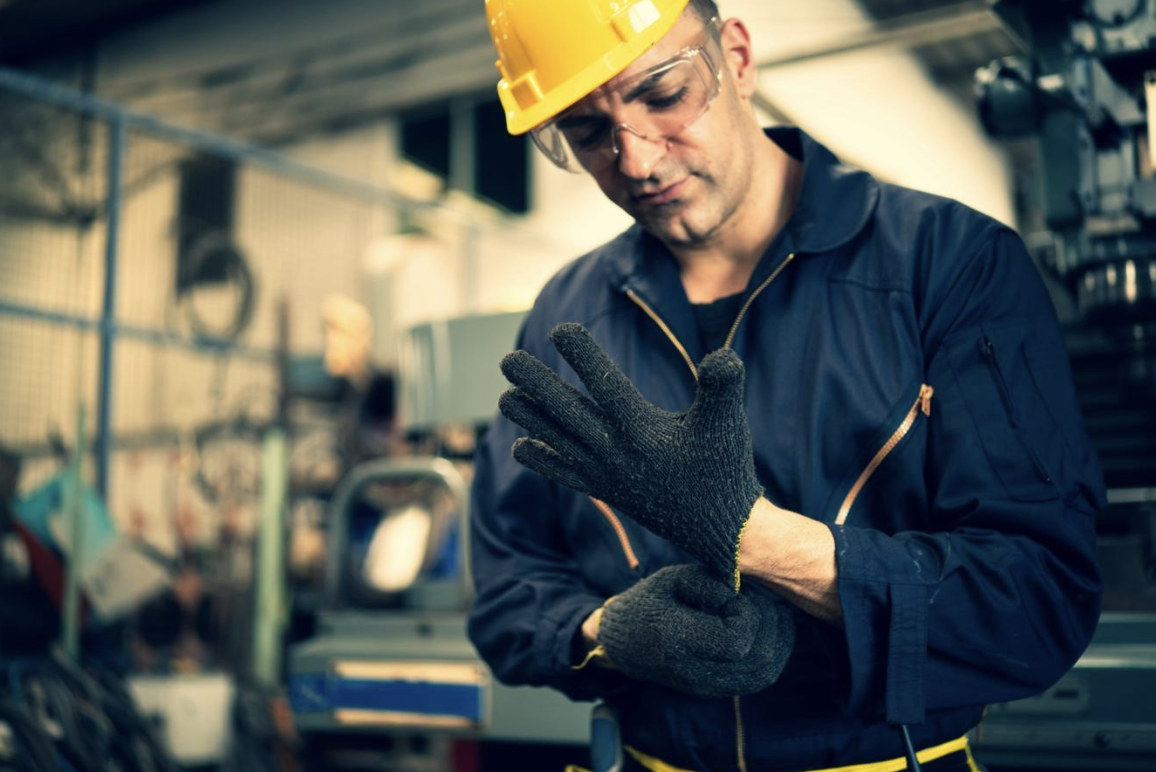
x=556, y=644
x=884, y=632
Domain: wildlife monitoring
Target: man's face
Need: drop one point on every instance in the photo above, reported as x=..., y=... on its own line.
x=685, y=188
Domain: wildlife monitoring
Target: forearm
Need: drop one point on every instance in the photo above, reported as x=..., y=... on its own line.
x=792, y=554
x=795, y=556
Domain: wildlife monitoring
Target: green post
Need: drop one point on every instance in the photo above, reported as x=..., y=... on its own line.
x=74, y=517
x=272, y=612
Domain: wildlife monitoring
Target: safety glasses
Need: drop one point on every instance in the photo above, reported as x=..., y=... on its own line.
x=654, y=105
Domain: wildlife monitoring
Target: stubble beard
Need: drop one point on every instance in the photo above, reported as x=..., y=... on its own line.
x=687, y=222
x=671, y=221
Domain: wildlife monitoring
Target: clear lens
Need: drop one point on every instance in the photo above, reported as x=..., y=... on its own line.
x=655, y=105
x=549, y=141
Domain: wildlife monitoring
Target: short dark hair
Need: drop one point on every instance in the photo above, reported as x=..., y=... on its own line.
x=704, y=9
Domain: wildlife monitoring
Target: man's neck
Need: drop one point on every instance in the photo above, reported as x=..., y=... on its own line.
x=725, y=265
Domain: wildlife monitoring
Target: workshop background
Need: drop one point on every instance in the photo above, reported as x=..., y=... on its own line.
x=258, y=262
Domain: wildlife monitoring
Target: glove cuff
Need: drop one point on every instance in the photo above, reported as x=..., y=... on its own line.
x=617, y=635
x=720, y=550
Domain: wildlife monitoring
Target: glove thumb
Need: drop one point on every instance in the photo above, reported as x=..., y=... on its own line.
x=721, y=378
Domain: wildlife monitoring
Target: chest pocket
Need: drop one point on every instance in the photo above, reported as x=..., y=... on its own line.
x=1017, y=386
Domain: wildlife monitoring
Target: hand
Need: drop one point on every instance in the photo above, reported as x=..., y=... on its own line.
x=689, y=477
x=685, y=628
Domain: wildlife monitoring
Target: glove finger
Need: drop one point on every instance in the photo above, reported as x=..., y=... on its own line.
x=773, y=645
x=709, y=637
x=721, y=379
x=727, y=666
x=539, y=457
x=608, y=385
x=569, y=407
x=516, y=405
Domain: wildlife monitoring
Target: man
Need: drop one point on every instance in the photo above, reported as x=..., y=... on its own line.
x=848, y=394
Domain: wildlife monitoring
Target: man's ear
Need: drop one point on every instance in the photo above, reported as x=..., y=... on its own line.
x=739, y=56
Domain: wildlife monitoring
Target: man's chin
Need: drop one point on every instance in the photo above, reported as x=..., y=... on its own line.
x=674, y=228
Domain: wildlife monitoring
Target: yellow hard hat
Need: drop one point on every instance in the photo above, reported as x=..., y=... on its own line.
x=551, y=53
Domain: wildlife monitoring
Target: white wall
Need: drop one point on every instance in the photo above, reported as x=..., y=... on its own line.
x=876, y=108
x=570, y=217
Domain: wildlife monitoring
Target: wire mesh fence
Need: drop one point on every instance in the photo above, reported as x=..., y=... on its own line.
x=51, y=274
x=164, y=279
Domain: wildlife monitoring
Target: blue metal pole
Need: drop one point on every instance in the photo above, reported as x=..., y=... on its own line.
x=74, y=515
x=116, y=138
x=156, y=337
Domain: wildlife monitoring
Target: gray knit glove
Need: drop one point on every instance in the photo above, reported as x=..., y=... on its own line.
x=688, y=477
x=685, y=628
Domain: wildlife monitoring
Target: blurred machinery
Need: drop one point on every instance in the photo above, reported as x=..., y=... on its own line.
x=389, y=678
x=1086, y=90
x=1082, y=91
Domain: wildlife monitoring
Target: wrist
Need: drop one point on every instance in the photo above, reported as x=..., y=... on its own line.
x=588, y=648
x=795, y=556
x=780, y=546
x=757, y=536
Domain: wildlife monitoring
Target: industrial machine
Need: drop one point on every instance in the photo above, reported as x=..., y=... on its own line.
x=391, y=653
x=1086, y=90
x=389, y=663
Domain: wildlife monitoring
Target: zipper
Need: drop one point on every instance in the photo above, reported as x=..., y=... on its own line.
x=922, y=405
x=739, y=742
x=987, y=348
x=638, y=301
x=766, y=283
x=616, y=524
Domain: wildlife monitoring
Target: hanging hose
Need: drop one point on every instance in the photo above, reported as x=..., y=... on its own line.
x=912, y=758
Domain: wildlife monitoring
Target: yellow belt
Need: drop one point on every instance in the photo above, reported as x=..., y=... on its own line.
x=890, y=765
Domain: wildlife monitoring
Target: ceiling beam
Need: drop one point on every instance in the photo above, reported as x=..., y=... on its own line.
x=909, y=31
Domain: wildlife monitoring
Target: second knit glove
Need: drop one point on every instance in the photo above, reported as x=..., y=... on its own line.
x=688, y=477
x=685, y=628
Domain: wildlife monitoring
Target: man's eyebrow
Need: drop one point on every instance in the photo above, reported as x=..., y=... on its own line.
x=645, y=85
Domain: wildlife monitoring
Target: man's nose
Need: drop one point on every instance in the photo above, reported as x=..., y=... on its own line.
x=637, y=155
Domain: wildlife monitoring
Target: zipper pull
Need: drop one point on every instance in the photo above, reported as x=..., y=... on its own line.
x=987, y=348
x=925, y=393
